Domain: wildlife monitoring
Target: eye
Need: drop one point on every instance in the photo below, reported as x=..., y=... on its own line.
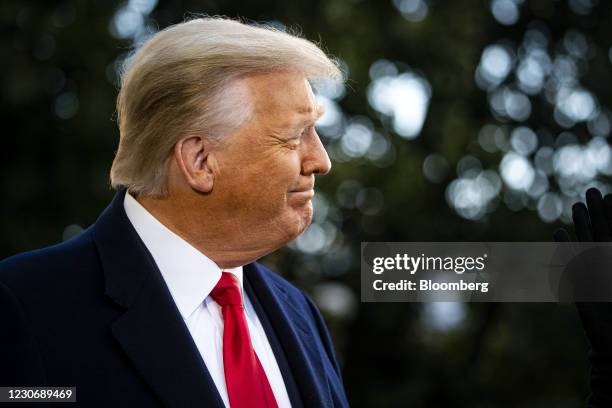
x=300, y=133
x=296, y=139
x=307, y=130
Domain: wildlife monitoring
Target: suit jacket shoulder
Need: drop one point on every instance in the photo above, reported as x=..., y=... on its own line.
x=38, y=293
x=30, y=273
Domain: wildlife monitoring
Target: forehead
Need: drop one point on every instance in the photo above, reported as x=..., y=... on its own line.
x=282, y=95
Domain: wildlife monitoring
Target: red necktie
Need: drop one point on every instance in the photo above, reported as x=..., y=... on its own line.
x=245, y=379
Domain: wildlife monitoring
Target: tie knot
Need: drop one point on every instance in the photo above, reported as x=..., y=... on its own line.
x=227, y=290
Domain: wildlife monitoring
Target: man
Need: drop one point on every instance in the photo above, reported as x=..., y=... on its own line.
x=160, y=302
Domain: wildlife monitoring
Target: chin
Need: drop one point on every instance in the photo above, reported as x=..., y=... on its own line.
x=300, y=221
x=306, y=213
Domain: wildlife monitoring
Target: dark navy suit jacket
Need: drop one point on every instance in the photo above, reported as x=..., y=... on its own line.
x=94, y=312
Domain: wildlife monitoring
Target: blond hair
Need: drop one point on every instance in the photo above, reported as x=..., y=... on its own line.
x=180, y=82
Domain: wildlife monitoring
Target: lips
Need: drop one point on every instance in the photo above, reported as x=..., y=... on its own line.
x=302, y=195
x=302, y=189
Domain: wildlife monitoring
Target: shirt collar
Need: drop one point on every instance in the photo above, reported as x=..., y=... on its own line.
x=189, y=274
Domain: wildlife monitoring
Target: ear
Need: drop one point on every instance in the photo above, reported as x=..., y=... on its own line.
x=193, y=157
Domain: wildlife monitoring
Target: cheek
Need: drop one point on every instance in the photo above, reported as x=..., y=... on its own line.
x=263, y=197
x=280, y=175
x=262, y=185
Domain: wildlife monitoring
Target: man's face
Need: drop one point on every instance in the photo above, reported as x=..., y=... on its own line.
x=265, y=171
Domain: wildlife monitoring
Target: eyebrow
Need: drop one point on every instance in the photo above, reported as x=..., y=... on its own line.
x=318, y=112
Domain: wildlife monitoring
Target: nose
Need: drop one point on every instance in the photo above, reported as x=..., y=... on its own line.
x=315, y=160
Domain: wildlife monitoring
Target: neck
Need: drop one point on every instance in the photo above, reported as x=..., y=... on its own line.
x=222, y=240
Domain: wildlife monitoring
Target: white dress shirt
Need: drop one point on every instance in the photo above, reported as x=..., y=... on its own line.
x=190, y=277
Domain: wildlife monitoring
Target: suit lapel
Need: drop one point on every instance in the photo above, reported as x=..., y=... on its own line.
x=151, y=331
x=293, y=332
x=279, y=353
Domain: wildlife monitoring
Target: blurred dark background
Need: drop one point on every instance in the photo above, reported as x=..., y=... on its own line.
x=461, y=121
